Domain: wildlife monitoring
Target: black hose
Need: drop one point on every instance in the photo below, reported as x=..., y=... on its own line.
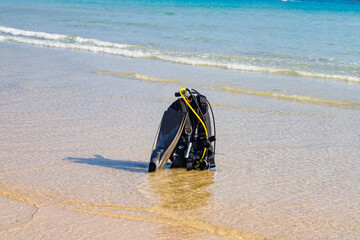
x=212, y=113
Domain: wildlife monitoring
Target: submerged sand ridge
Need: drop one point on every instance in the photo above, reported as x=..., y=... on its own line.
x=75, y=147
x=159, y=215
x=305, y=99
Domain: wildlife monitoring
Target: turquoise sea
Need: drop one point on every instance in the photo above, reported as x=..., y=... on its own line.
x=310, y=38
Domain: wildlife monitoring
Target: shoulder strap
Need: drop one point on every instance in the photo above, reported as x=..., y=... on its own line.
x=184, y=108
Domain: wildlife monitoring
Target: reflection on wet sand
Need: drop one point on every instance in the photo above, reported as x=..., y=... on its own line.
x=184, y=198
x=178, y=189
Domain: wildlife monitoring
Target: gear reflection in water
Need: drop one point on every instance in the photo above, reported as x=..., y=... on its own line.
x=179, y=189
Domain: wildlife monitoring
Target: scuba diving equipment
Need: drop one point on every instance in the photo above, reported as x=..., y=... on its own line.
x=185, y=134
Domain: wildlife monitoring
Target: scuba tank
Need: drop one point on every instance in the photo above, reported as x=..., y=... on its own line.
x=186, y=135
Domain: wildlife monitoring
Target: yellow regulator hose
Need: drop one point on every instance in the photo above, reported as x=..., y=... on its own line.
x=181, y=90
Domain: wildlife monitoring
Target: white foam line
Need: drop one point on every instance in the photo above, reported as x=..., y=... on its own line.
x=89, y=48
x=248, y=68
x=19, y=32
x=98, y=46
x=60, y=37
x=329, y=76
x=101, y=43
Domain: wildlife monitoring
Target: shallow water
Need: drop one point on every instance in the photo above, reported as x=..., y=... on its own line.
x=83, y=87
x=76, y=143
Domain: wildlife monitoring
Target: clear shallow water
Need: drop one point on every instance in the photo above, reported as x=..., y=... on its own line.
x=307, y=38
x=76, y=139
x=83, y=88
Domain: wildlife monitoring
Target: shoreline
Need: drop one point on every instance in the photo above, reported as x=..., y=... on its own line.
x=73, y=138
x=235, y=63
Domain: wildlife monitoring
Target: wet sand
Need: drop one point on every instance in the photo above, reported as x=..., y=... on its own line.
x=76, y=134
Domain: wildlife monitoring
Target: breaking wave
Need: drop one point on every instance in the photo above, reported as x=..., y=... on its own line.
x=208, y=60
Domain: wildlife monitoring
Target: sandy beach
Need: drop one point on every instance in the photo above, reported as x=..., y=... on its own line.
x=76, y=135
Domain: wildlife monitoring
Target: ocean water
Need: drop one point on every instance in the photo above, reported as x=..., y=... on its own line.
x=314, y=39
x=84, y=84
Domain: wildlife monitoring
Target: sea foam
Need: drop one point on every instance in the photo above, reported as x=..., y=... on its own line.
x=135, y=51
